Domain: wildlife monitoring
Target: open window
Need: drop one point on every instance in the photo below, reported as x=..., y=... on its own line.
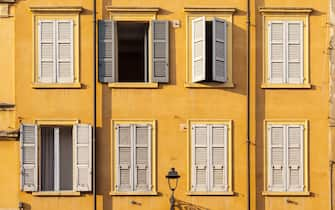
x=209, y=43
x=133, y=51
x=56, y=158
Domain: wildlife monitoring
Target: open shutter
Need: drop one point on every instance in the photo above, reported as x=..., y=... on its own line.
x=218, y=150
x=160, y=51
x=124, y=156
x=64, y=41
x=47, y=51
x=295, y=158
x=28, y=145
x=276, y=158
x=200, y=158
x=276, y=52
x=142, y=157
x=198, y=49
x=219, y=50
x=83, y=157
x=295, y=52
x=106, y=51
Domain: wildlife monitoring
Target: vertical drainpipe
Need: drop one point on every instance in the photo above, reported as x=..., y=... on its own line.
x=94, y=108
x=248, y=106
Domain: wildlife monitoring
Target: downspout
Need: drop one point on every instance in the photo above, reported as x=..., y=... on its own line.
x=248, y=106
x=94, y=108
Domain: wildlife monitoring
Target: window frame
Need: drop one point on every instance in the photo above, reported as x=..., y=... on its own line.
x=285, y=15
x=305, y=126
x=135, y=15
x=209, y=14
x=229, y=124
x=56, y=14
x=114, y=171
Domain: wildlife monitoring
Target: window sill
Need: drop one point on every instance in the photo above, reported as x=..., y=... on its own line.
x=133, y=193
x=210, y=193
x=210, y=85
x=286, y=193
x=125, y=85
x=56, y=86
x=61, y=193
x=286, y=86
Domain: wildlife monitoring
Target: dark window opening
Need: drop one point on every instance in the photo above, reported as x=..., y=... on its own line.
x=132, y=48
x=209, y=51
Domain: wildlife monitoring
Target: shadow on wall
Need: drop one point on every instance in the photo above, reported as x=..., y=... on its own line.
x=183, y=205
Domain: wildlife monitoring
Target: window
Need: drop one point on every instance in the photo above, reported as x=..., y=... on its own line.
x=133, y=158
x=133, y=51
x=286, y=146
x=55, y=158
x=210, y=157
x=56, y=46
x=286, y=47
x=209, y=47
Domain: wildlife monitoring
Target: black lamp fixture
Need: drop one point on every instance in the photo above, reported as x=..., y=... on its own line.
x=172, y=178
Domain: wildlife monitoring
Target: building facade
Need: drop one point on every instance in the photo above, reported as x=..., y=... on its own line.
x=235, y=95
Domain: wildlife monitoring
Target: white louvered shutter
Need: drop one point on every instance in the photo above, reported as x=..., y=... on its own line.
x=198, y=49
x=142, y=157
x=124, y=158
x=276, y=158
x=276, y=52
x=218, y=153
x=219, y=50
x=28, y=145
x=64, y=41
x=295, y=52
x=160, y=51
x=295, y=158
x=200, y=158
x=83, y=157
x=47, y=51
x=106, y=51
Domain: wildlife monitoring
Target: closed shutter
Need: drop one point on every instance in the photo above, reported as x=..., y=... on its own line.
x=142, y=157
x=28, y=145
x=64, y=41
x=295, y=158
x=200, y=160
x=219, y=156
x=276, y=158
x=47, y=51
x=124, y=158
x=219, y=50
x=276, y=52
x=160, y=51
x=198, y=49
x=295, y=52
x=82, y=157
x=106, y=51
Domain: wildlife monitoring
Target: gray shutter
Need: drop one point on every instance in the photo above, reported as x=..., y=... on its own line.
x=64, y=41
x=124, y=158
x=219, y=50
x=160, y=51
x=83, y=157
x=198, y=49
x=218, y=150
x=106, y=51
x=295, y=52
x=276, y=52
x=142, y=157
x=200, y=158
x=47, y=51
x=28, y=145
x=276, y=158
x=295, y=164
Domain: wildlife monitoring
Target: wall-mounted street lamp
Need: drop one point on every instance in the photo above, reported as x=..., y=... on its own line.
x=172, y=178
